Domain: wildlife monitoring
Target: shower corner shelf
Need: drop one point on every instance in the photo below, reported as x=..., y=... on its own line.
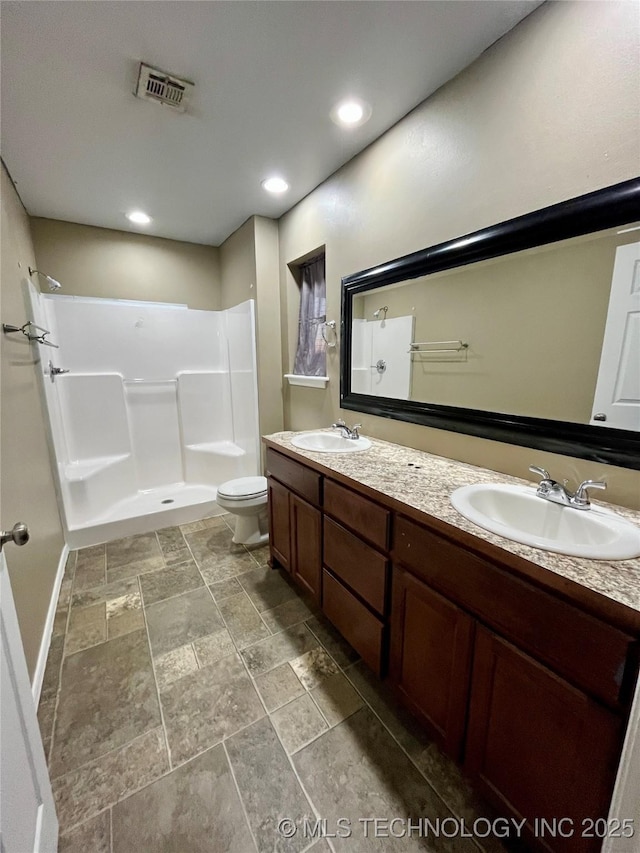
x=307, y=381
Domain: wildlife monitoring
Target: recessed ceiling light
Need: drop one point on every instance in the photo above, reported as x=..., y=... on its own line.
x=275, y=185
x=138, y=217
x=351, y=113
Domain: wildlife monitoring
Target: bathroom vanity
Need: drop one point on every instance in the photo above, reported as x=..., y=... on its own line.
x=520, y=663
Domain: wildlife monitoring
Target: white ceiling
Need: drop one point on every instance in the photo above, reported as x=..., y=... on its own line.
x=81, y=148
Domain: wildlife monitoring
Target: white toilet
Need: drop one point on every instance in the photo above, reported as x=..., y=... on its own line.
x=246, y=498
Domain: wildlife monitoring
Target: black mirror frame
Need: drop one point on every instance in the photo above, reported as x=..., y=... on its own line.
x=596, y=211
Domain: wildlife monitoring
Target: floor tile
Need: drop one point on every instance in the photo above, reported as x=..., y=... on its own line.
x=84, y=792
x=64, y=596
x=342, y=653
x=224, y=589
x=214, y=647
x=204, y=524
x=314, y=667
x=132, y=549
x=108, y=697
x=207, y=705
x=168, y=582
x=337, y=699
x=357, y=770
x=173, y=546
x=46, y=714
x=123, y=622
x=90, y=570
x=174, y=665
x=267, y=588
x=87, y=627
x=181, y=620
x=70, y=565
x=51, y=676
x=268, y=787
x=217, y=557
x=280, y=648
x=136, y=567
x=285, y=615
x=88, y=556
x=106, y=592
x=298, y=722
x=243, y=620
x=60, y=621
x=279, y=686
x=92, y=836
x=195, y=808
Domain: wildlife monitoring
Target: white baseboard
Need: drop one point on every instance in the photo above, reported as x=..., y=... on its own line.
x=38, y=675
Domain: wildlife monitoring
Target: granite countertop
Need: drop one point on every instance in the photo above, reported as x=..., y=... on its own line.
x=426, y=486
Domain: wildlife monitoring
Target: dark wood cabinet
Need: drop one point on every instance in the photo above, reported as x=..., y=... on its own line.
x=431, y=650
x=540, y=748
x=279, y=523
x=295, y=525
x=306, y=545
x=524, y=680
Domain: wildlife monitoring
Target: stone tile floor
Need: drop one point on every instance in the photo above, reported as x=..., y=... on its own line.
x=193, y=699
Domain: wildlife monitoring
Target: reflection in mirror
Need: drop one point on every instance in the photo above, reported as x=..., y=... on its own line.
x=525, y=332
x=552, y=332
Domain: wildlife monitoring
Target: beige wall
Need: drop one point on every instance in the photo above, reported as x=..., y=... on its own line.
x=100, y=262
x=548, y=113
x=249, y=270
x=27, y=491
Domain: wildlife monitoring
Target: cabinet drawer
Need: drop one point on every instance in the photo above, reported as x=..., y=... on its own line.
x=368, y=519
x=357, y=624
x=584, y=649
x=356, y=563
x=299, y=478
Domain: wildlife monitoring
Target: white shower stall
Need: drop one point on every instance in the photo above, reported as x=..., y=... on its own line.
x=158, y=408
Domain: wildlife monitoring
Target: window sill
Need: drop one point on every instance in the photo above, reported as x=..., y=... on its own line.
x=307, y=381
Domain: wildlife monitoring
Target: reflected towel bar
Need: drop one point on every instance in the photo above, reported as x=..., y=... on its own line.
x=442, y=346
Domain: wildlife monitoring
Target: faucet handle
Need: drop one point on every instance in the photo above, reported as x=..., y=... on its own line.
x=581, y=497
x=542, y=472
x=354, y=431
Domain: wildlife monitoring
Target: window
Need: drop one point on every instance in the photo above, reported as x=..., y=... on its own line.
x=311, y=354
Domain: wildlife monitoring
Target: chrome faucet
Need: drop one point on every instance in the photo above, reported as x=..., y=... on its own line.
x=558, y=493
x=347, y=432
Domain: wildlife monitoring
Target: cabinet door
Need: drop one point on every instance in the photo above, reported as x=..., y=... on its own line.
x=431, y=642
x=306, y=545
x=279, y=534
x=539, y=747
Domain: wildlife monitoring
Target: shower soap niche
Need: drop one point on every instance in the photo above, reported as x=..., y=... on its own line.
x=307, y=381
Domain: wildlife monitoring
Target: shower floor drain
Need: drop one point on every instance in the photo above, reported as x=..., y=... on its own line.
x=167, y=501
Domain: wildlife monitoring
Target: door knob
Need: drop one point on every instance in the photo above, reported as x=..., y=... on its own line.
x=18, y=534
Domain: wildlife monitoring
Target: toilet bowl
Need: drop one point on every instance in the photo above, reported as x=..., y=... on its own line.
x=246, y=498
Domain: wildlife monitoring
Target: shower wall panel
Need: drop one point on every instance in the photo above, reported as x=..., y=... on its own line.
x=158, y=408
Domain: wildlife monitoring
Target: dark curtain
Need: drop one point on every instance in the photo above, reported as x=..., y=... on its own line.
x=311, y=357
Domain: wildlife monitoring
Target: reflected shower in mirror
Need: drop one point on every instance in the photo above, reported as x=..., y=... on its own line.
x=520, y=334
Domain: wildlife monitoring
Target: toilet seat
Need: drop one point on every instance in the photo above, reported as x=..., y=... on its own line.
x=243, y=488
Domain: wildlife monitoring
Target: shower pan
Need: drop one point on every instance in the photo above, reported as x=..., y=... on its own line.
x=150, y=406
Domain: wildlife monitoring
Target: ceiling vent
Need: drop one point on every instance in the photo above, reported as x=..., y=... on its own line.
x=163, y=88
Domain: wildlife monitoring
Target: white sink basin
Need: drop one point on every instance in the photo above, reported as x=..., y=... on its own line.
x=517, y=513
x=330, y=442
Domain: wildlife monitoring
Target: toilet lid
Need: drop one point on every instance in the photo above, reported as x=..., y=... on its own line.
x=244, y=487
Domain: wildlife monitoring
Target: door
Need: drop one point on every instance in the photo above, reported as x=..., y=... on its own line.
x=306, y=545
x=431, y=643
x=617, y=397
x=27, y=814
x=538, y=747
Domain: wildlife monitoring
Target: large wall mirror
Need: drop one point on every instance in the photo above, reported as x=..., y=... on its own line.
x=526, y=332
